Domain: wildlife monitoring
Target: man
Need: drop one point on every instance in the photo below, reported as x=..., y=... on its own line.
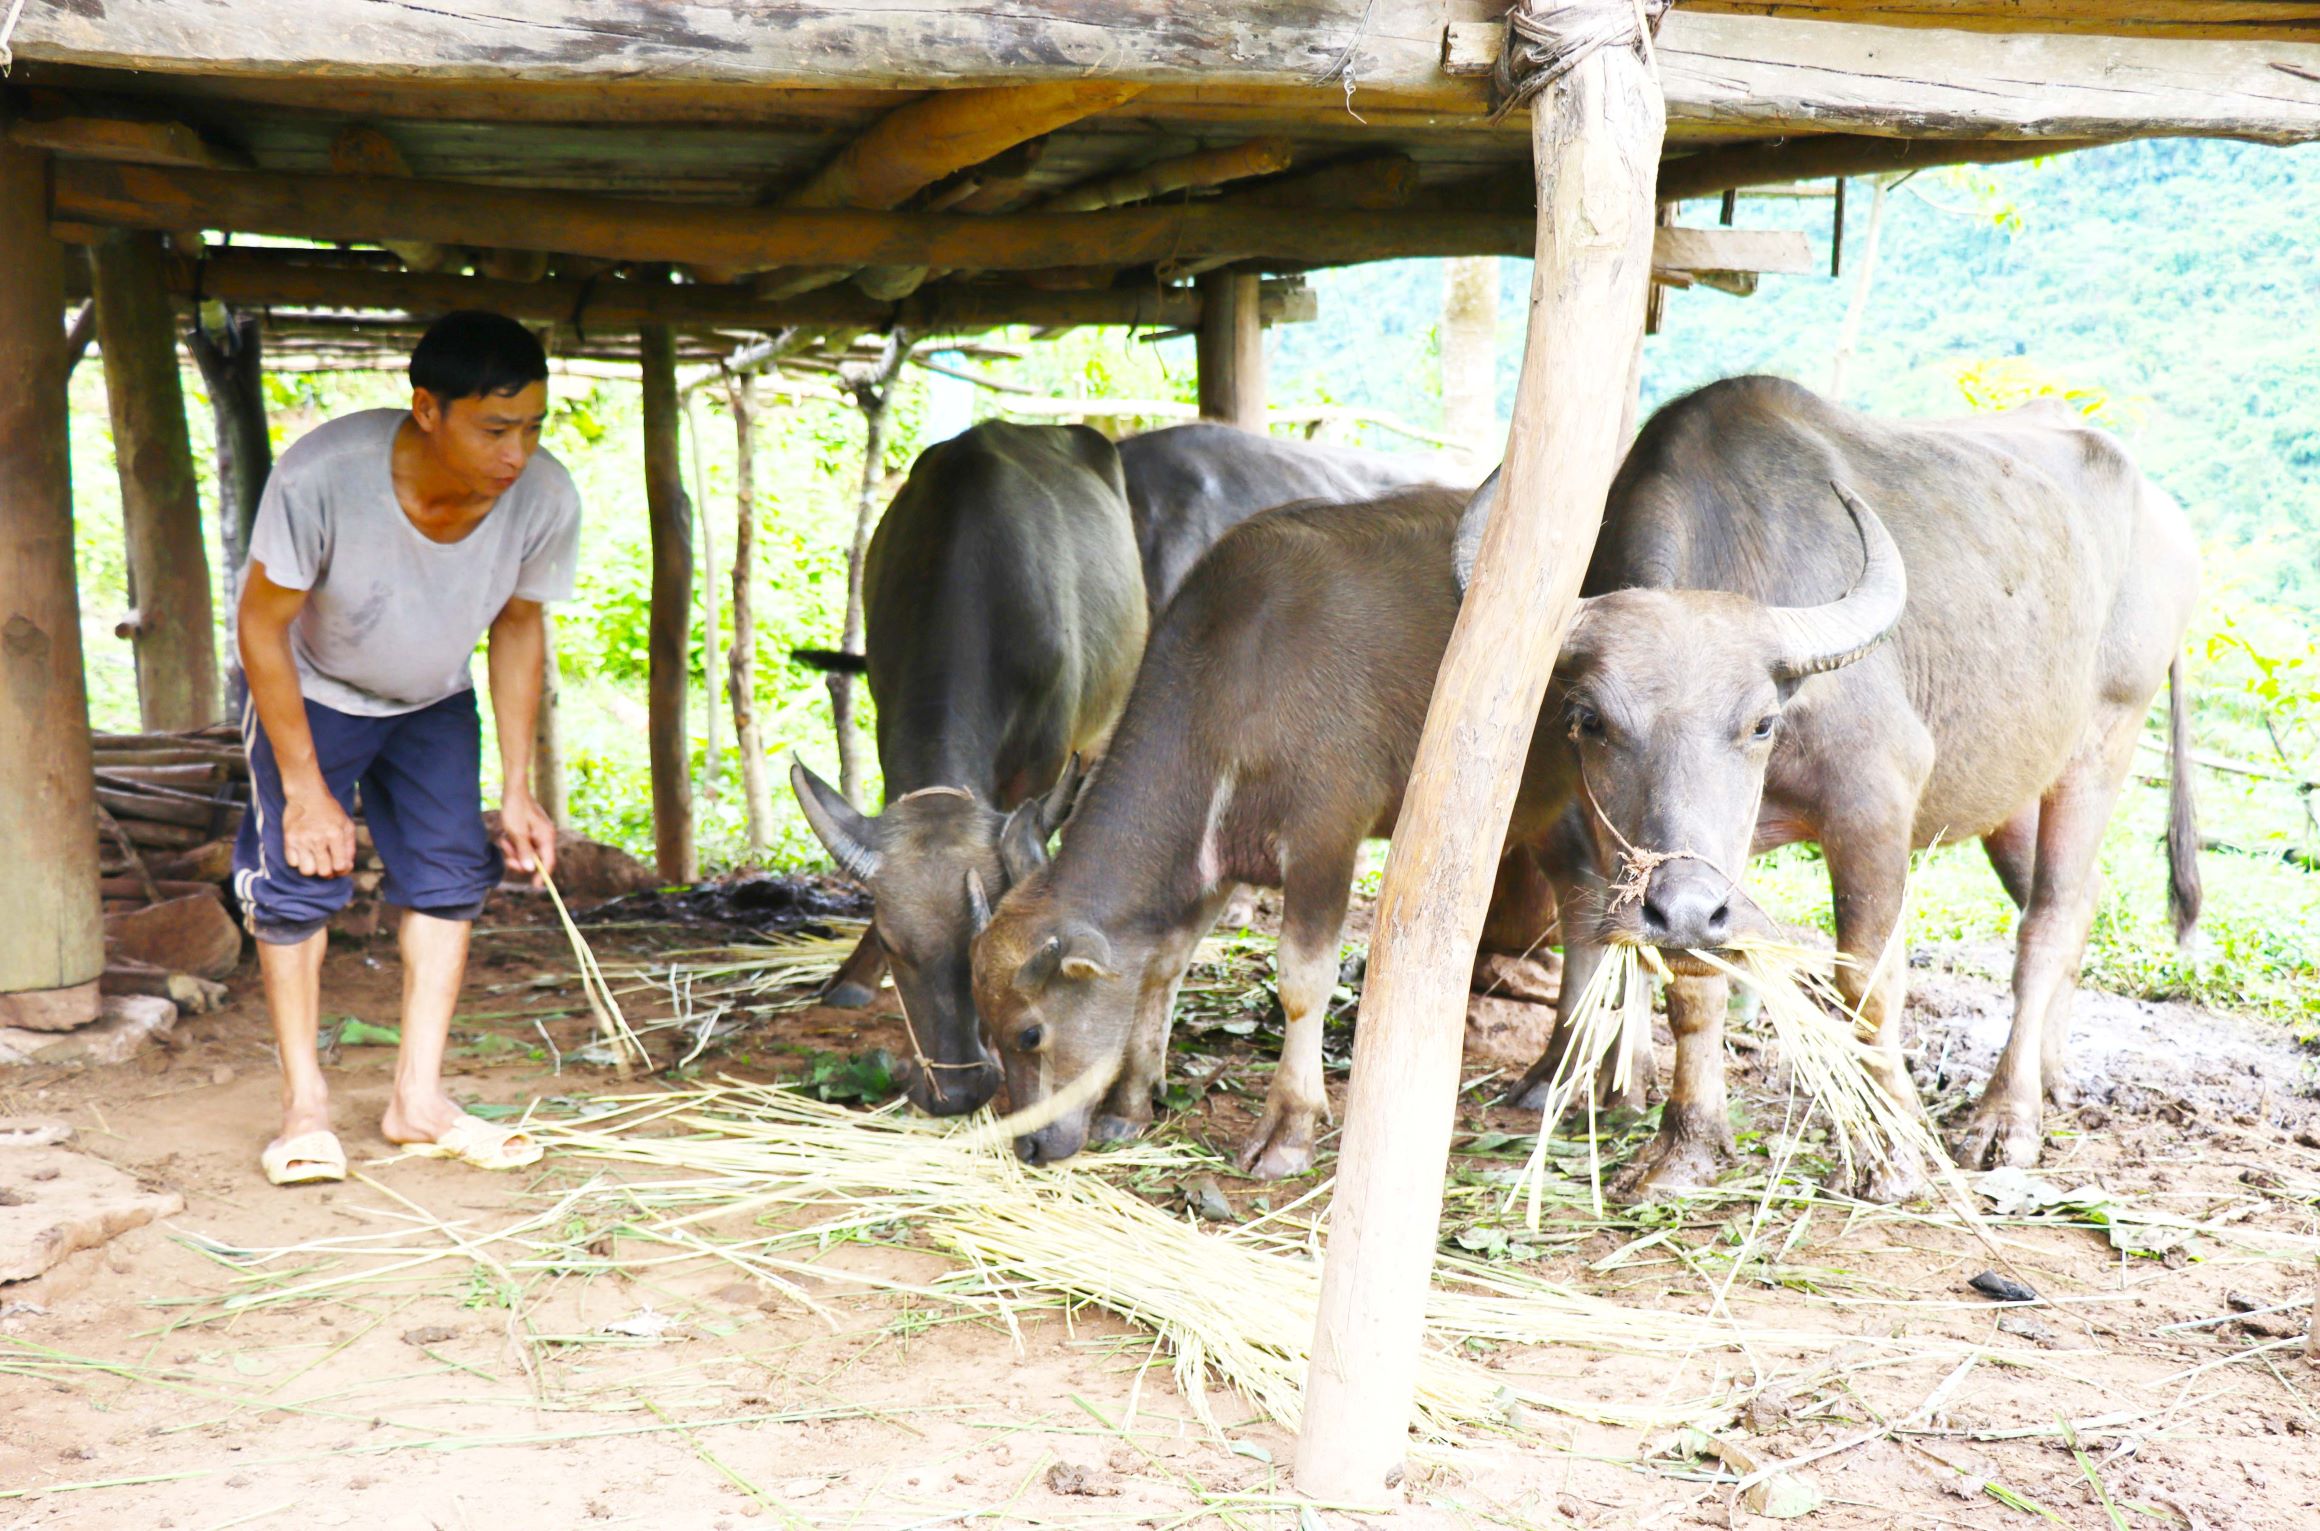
x=387, y=543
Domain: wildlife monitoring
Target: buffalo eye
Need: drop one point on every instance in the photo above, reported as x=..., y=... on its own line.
x=1028, y=1039
x=1586, y=722
x=1765, y=726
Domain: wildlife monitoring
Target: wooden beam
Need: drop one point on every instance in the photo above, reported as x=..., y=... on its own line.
x=52, y=941
x=1781, y=251
x=368, y=208
x=363, y=150
x=1206, y=167
x=1841, y=154
x=1596, y=134
x=175, y=638
x=316, y=279
x=115, y=138
x=1231, y=351
x=1374, y=181
x=671, y=622
x=2246, y=20
x=926, y=140
x=1745, y=74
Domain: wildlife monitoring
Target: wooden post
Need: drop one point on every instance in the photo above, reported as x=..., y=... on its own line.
x=1470, y=358
x=1231, y=349
x=741, y=659
x=547, y=738
x=173, y=634
x=52, y=943
x=1595, y=137
x=712, y=751
x=671, y=515
x=229, y=346
x=873, y=390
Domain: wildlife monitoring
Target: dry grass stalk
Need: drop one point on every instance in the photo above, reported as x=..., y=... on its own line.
x=619, y=1038
x=1612, y=1010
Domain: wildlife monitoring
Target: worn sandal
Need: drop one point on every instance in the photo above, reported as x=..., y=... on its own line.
x=472, y=1140
x=305, y=1159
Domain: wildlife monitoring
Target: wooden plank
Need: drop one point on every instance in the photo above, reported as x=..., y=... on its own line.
x=622, y=229
x=1596, y=134
x=276, y=278
x=896, y=43
x=139, y=142
x=52, y=938
x=1206, y=167
x=1231, y=351
x=670, y=512
x=175, y=638
x=1781, y=251
x=1840, y=154
x=2249, y=20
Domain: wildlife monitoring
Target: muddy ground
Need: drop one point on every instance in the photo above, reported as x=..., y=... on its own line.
x=128, y=1399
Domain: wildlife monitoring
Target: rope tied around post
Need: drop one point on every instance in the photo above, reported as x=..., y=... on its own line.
x=1546, y=39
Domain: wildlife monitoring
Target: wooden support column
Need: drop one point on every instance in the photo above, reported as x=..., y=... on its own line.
x=671, y=514
x=173, y=633
x=52, y=943
x=1232, y=350
x=741, y=659
x=1595, y=137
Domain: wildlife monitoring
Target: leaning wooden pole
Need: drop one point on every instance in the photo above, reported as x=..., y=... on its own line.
x=52, y=944
x=741, y=658
x=1595, y=138
x=668, y=647
x=173, y=632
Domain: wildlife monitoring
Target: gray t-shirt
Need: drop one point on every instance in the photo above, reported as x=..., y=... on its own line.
x=391, y=617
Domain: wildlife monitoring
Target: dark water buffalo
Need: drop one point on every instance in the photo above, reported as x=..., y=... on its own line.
x=1704, y=707
x=1190, y=484
x=1005, y=612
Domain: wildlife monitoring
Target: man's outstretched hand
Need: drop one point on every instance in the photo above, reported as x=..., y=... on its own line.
x=527, y=837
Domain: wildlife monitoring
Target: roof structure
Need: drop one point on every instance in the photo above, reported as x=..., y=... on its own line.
x=810, y=163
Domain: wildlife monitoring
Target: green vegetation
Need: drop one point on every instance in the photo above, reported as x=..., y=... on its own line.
x=2165, y=289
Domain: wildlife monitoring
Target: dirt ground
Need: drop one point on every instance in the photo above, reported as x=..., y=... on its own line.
x=2132, y=1395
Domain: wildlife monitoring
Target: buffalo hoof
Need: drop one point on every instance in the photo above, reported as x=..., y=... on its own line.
x=1890, y=1185
x=1687, y=1154
x=1281, y=1146
x=2001, y=1134
x=1113, y=1128
x=849, y=996
x=1531, y=1093
x=2060, y=1091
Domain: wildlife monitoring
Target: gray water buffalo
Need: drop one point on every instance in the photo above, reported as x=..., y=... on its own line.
x=1721, y=694
x=1190, y=484
x=1004, y=611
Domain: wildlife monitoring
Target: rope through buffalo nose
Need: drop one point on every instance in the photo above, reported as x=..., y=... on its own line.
x=1638, y=865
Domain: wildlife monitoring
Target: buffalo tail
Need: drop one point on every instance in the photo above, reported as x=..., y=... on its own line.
x=2183, y=891
x=837, y=660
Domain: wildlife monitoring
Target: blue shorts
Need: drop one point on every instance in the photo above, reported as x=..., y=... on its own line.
x=422, y=797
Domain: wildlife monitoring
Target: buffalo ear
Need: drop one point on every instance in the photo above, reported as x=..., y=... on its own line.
x=1038, y=969
x=849, y=837
x=1023, y=843
x=1086, y=954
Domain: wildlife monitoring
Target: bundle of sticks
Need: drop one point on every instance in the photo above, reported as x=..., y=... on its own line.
x=168, y=808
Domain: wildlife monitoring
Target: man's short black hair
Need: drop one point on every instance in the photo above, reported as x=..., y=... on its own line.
x=474, y=352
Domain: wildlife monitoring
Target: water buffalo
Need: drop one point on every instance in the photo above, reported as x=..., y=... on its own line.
x=1190, y=484
x=1696, y=711
x=1270, y=730
x=1004, y=612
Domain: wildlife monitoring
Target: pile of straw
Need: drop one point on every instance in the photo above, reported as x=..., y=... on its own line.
x=1236, y=1307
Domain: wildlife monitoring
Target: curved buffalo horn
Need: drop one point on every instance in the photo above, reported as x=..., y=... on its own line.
x=1810, y=639
x=850, y=838
x=1056, y=804
x=978, y=901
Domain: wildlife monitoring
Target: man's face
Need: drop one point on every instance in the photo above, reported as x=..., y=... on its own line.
x=485, y=441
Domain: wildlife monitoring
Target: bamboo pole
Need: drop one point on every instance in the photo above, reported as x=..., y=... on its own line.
x=741, y=659
x=52, y=942
x=1857, y=303
x=173, y=634
x=712, y=752
x=1595, y=137
x=1231, y=350
x=671, y=516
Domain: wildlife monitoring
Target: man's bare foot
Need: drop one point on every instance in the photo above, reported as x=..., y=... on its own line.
x=418, y=1119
